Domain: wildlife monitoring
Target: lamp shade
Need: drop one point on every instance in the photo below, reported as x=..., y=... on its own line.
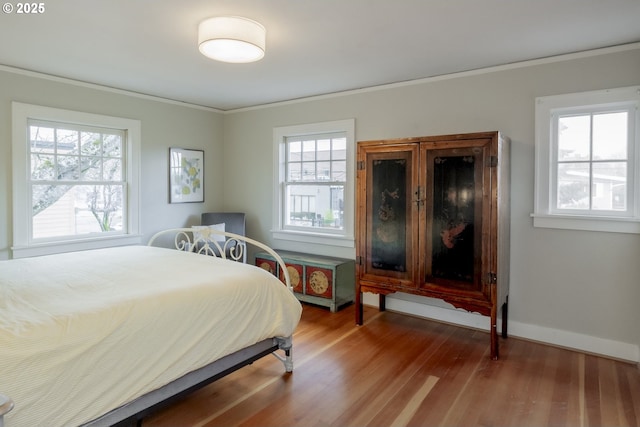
x=231, y=39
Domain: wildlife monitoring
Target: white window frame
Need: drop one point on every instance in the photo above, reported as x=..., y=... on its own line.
x=346, y=238
x=547, y=110
x=23, y=244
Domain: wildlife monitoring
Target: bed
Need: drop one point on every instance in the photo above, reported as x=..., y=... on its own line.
x=152, y=323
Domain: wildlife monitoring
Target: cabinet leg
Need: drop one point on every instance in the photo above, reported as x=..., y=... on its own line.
x=493, y=331
x=359, y=307
x=494, y=341
x=382, y=302
x=505, y=315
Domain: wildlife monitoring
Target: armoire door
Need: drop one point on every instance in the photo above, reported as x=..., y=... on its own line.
x=387, y=215
x=455, y=226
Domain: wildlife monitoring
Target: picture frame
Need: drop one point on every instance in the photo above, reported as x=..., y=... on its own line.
x=186, y=175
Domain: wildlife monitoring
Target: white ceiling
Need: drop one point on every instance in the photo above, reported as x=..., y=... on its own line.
x=313, y=46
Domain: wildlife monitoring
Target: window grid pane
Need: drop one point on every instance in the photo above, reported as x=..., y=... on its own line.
x=573, y=186
x=66, y=141
x=42, y=139
x=610, y=136
x=78, y=209
x=609, y=187
x=574, y=138
x=315, y=206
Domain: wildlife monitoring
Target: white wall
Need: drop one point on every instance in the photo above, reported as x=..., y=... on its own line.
x=573, y=288
x=164, y=125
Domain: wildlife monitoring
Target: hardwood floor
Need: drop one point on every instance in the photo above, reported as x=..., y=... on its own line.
x=398, y=370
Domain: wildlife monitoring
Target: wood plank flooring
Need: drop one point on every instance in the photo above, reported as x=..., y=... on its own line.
x=398, y=370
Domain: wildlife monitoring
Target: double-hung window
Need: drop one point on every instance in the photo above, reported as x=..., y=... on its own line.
x=315, y=183
x=75, y=180
x=587, y=161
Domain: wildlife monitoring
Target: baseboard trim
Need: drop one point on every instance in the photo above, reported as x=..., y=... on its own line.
x=559, y=338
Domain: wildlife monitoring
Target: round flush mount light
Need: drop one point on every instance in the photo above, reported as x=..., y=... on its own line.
x=231, y=39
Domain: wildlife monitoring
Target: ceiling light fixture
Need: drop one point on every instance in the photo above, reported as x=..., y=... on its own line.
x=231, y=39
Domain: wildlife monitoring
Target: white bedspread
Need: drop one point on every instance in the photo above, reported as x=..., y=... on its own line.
x=85, y=332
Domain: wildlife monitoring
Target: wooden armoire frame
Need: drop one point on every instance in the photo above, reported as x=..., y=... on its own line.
x=433, y=220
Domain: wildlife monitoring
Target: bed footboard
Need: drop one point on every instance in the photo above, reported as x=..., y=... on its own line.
x=209, y=241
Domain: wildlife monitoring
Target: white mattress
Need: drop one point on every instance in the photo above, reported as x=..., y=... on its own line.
x=85, y=332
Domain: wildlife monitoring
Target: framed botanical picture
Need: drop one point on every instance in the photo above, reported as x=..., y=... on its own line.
x=186, y=175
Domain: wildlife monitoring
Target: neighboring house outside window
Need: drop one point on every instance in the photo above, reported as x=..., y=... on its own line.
x=75, y=180
x=588, y=161
x=314, y=188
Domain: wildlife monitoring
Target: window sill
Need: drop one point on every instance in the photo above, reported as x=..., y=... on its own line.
x=75, y=245
x=315, y=238
x=587, y=223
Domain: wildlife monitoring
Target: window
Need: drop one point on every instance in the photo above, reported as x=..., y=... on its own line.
x=75, y=180
x=315, y=183
x=587, y=161
x=315, y=176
